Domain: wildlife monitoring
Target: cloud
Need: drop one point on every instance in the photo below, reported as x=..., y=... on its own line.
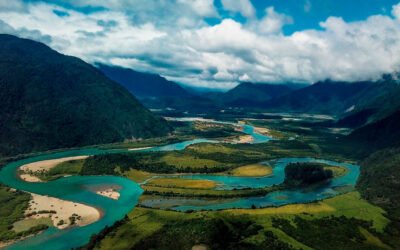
x=307, y=6
x=185, y=48
x=244, y=7
x=273, y=21
x=396, y=11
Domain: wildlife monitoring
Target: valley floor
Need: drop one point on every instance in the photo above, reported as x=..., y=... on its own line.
x=356, y=223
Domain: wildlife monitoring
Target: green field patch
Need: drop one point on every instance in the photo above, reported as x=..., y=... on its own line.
x=253, y=170
x=72, y=167
x=12, y=208
x=208, y=193
x=185, y=161
x=26, y=224
x=337, y=171
x=138, y=176
x=181, y=183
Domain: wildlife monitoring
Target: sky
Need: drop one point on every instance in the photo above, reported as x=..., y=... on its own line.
x=219, y=43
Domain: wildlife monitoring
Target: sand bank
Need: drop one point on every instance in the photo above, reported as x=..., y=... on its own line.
x=245, y=139
x=43, y=166
x=136, y=149
x=61, y=212
x=263, y=131
x=109, y=193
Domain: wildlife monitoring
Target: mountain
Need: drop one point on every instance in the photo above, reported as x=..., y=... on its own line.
x=378, y=135
x=143, y=84
x=248, y=95
x=49, y=100
x=328, y=97
x=382, y=102
x=156, y=92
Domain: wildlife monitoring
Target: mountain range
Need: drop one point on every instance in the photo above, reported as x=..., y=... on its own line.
x=49, y=100
x=156, y=92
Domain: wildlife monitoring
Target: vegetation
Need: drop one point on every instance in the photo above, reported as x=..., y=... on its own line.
x=190, y=192
x=12, y=207
x=299, y=174
x=337, y=171
x=159, y=229
x=156, y=92
x=43, y=94
x=379, y=184
x=254, y=170
x=318, y=233
x=378, y=135
x=73, y=167
x=26, y=224
x=181, y=183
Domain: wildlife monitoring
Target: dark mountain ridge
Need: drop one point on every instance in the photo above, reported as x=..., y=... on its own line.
x=49, y=100
x=156, y=92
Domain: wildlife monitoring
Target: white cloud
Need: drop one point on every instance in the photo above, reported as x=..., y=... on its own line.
x=244, y=7
x=273, y=21
x=396, y=11
x=186, y=49
x=203, y=8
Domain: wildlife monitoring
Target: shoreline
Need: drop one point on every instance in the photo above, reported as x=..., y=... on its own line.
x=63, y=213
x=137, y=149
x=26, y=172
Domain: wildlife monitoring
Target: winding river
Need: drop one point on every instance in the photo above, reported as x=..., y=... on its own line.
x=77, y=189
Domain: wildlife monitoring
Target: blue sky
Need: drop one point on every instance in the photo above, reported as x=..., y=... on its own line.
x=218, y=43
x=307, y=14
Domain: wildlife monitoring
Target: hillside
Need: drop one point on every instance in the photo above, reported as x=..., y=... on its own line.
x=378, y=135
x=249, y=94
x=49, y=100
x=156, y=92
x=143, y=84
x=381, y=102
x=323, y=97
x=379, y=184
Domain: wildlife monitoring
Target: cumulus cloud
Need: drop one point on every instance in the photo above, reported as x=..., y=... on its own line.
x=186, y=49
x=273, y=21
x=244, y=7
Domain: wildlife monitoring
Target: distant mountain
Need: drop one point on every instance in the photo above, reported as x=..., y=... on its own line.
x=143, y=85
x=382, y=101
x=156, y=92
x=248, y=94
x=49, y=100
x=335, y=98
x=378, y=135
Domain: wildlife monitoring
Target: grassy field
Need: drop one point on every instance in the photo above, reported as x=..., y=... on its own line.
x=184, y=161
x=135, y=175
x=12, y=208
x=186, y=192
x=337, y=171
x=145, y=224
x=181, y=183
x=65, y=168
x=253, y=170
x=350, y=205
x=27, y=224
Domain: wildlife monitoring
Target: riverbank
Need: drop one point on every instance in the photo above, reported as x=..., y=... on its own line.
x=62, y=213
x=29, y=172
